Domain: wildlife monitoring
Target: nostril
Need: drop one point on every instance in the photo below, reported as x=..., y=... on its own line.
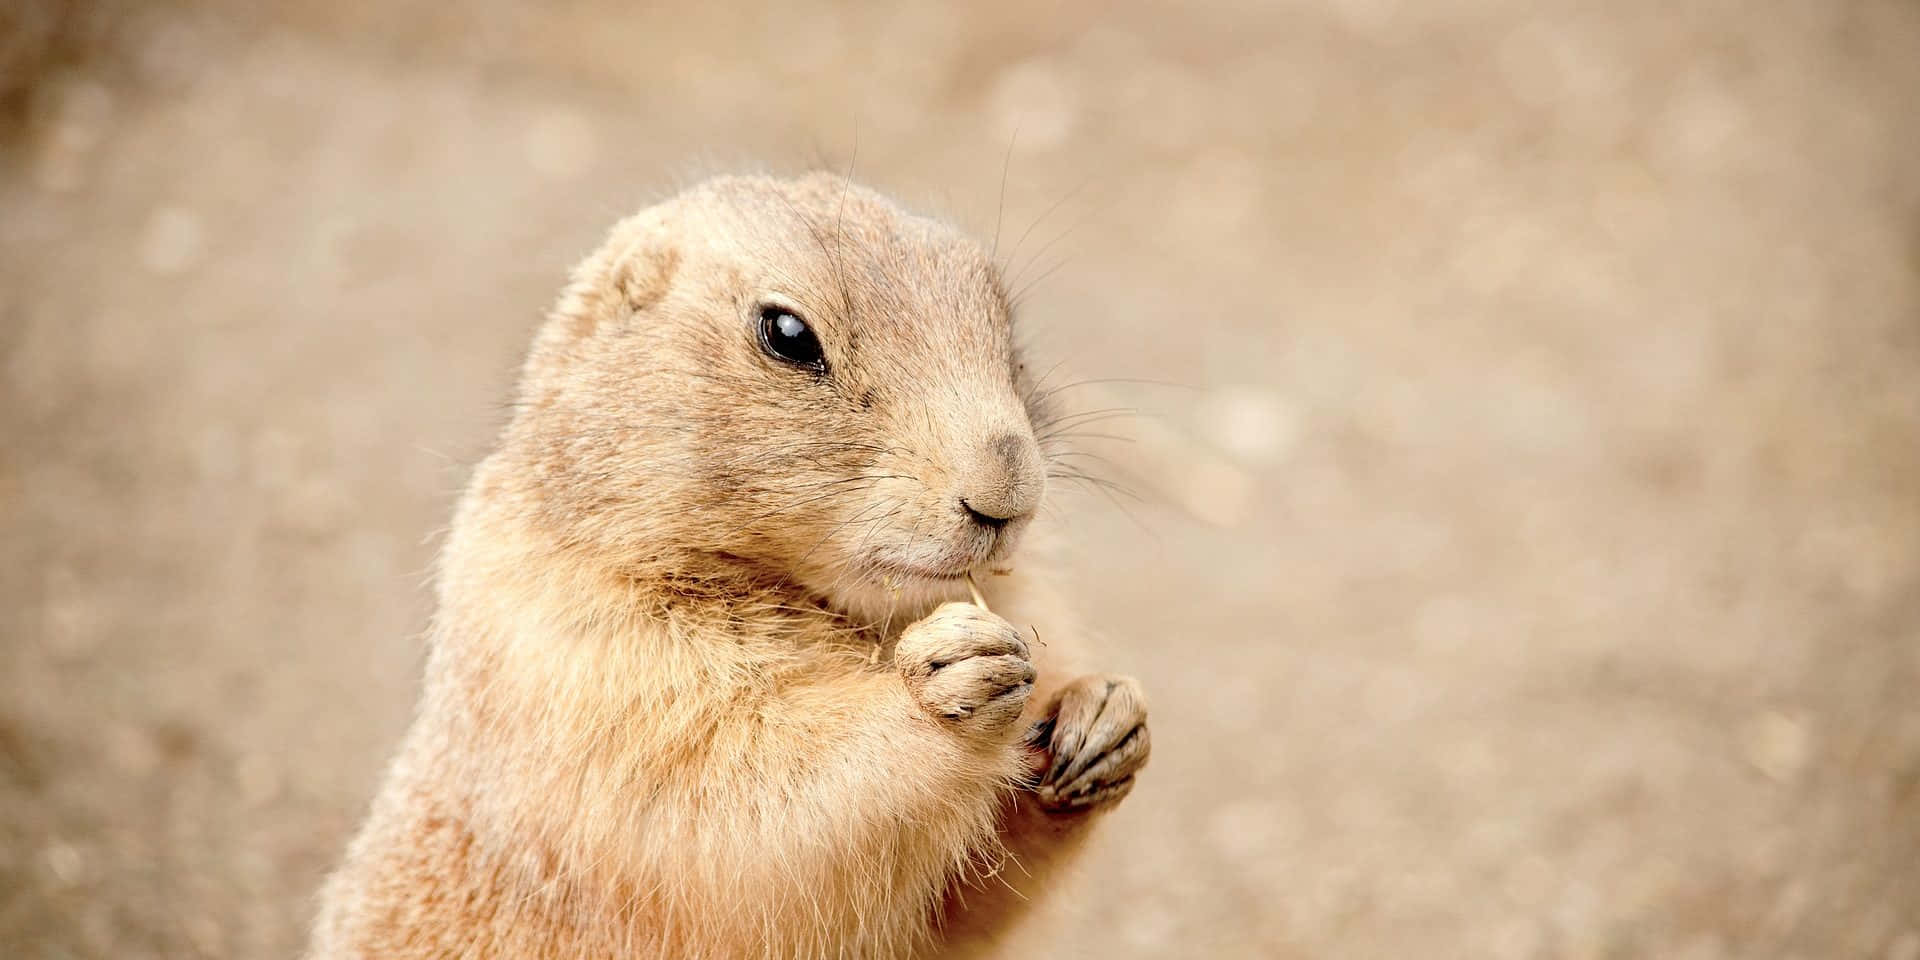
x=1000, y=482
x=984, y=519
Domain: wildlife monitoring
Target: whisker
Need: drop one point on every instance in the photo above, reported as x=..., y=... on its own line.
x=1000, y=210
x=1020, y=296
x=1094, y=381
x=1083, y=419
x=1108, y=489
x=837, y=528
x=1098, y=482
x=793, y=506
x=1042, y=218
x=840, y=280
x=1086, y=435
x=1077, y=224
x=1037, y=384
x=1068, y=418
x=840, y=215
x=828, y=483
x=1086, y=454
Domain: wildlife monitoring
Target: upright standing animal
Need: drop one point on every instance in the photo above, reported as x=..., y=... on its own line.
x=702, y=680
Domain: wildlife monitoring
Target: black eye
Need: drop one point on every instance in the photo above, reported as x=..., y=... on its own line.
x=787, y=337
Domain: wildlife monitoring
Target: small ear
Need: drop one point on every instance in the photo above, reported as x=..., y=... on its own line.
x=643, y=268
x=630, y=273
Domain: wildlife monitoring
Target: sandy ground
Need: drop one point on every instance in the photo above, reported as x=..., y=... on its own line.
x=1528, y=554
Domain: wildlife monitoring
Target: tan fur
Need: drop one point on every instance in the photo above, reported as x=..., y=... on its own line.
x=686, y=697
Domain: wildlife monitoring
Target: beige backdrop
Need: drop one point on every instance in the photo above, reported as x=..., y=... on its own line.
x=1527, y=554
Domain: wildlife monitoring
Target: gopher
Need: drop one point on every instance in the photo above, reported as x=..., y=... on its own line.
x=704, y=680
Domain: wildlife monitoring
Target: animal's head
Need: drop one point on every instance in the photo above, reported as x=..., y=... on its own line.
x=792, y=376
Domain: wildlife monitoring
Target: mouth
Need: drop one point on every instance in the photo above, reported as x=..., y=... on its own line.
x=892, y=570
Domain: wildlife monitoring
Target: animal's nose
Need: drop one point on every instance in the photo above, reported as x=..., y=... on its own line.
x=1004, y=482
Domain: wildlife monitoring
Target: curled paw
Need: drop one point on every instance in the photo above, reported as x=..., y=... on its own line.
x=1096, y=740
x=966, y=666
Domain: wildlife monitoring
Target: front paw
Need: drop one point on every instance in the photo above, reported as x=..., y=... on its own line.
x=1096, y=740
x=968, y=667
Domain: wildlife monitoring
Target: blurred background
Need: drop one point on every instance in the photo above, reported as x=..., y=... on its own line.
x=1525, y=555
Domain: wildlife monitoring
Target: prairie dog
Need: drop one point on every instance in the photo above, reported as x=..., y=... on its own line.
x=703, y=681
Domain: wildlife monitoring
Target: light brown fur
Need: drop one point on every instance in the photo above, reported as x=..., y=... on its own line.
x=687, y=696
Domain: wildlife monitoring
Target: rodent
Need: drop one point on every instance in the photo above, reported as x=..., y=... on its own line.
x=703, y=680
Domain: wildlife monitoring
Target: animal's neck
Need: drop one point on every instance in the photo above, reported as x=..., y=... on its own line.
x=559, y=667
x=509, y=585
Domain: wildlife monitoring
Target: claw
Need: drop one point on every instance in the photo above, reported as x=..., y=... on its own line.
x=1098, y=739
x=1113, y=764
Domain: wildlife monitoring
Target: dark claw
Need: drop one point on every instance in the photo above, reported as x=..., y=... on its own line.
x=1040, y=732
x=1087, y=798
